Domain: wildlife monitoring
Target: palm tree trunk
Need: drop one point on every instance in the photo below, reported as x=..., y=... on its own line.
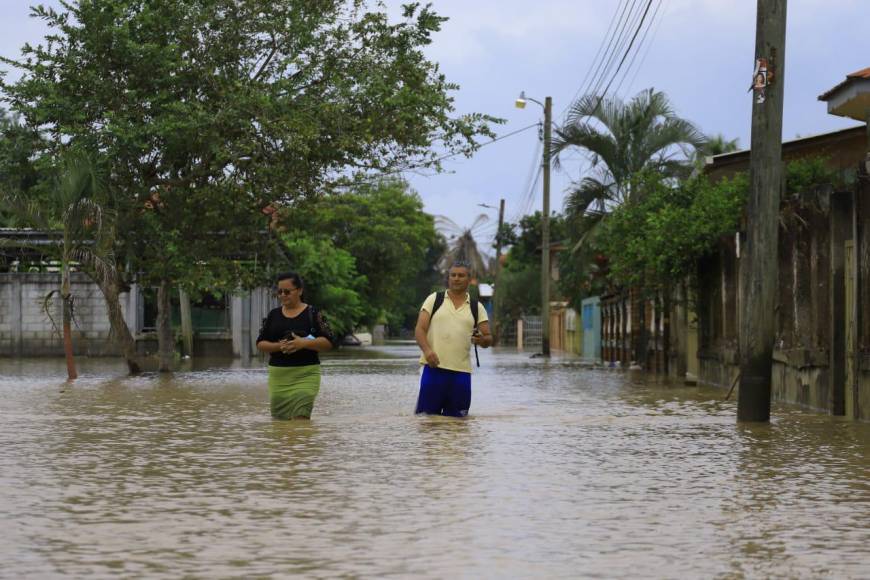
x=120, y=331
x=65, y=296
x=165, y=344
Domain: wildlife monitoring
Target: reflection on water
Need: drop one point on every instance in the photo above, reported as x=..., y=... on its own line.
x=559, y=472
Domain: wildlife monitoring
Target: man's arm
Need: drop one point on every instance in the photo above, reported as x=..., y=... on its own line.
x=420, y=332
x=483, y=338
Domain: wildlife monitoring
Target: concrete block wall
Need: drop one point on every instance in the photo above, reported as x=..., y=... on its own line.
x=26, y=329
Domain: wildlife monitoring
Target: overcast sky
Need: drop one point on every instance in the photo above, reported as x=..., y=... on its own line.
x=699, y=52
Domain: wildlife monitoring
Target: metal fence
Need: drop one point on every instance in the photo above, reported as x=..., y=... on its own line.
x=531, y=331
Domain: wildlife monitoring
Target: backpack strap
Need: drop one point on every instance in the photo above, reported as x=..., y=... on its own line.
x=474, y=311
x=439, y=300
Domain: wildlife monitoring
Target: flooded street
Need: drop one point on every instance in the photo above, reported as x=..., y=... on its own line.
x=559, y=472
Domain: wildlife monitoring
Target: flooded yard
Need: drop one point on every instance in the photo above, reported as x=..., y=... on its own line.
x=559, y=472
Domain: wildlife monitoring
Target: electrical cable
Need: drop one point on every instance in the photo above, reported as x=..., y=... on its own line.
x=649, y=46
x=640, y=45
x=592, y=65
x=600, y=79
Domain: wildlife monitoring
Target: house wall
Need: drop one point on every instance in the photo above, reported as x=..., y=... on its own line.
x=815, y=364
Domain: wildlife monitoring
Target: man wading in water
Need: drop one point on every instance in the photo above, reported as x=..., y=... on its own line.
x=445, y=332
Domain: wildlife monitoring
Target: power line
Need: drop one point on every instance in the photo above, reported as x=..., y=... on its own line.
x=529, y=185
x=529, y=199
x=649, y=26
x=617, y=43
x=592, y=65
x=649, y=46
x=621, y=62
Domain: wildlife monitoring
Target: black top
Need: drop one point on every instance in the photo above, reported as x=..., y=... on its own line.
x=276, y=327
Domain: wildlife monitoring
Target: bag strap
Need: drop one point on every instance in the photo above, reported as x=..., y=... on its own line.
x=311, y=328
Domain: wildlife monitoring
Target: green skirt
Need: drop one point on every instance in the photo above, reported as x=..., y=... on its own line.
x=292, y=390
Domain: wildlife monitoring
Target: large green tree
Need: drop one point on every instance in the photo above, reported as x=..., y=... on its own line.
x=332, y=282
x=384, y=228
x=210, y=110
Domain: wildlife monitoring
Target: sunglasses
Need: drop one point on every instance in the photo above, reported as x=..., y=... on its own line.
x=285, y=291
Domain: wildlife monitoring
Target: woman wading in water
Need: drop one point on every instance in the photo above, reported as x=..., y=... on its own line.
x=293, y=335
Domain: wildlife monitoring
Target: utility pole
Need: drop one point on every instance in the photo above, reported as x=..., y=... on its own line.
x=759, y=268
x=545, y=232
x=496, y=311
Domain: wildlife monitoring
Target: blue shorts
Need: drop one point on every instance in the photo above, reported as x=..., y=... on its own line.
x=444, y=392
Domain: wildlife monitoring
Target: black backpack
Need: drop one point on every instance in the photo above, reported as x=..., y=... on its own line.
x=439, y=300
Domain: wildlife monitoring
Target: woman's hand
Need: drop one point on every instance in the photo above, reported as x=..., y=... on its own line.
x=290, y=345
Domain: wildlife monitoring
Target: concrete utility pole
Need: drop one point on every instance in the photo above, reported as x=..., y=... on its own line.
x=759, y=269
x=545, y=232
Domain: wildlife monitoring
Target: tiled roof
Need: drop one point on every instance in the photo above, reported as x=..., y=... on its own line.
x=861, y=74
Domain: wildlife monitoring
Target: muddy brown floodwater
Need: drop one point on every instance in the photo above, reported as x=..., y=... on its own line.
x=560, y=472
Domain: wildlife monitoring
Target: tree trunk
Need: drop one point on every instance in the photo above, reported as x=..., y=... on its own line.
x=186, y=322
x=111, y=290
x=165, y=343
x=65, y=296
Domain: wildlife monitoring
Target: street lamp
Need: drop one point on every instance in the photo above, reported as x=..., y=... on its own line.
x=547, y=105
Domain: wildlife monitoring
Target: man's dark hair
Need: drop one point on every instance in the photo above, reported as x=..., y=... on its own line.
x=461, y=264
x=292, y=276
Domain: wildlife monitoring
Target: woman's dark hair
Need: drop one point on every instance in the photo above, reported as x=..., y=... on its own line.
x=292, y=276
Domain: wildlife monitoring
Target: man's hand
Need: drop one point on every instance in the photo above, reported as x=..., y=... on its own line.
x=482, y=340
x=432, y=359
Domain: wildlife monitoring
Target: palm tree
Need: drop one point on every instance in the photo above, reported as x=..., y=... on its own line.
x=461, y=245
x=626, y=139
x=716, y=145
x=78, y=207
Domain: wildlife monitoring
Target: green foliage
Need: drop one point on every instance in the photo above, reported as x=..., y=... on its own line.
x=658, y=238
x=657, y=241
x=519, y=283
x=331, y=280
x=392, y=241
x=519, y=289
x=208, y=111
x=525, y=238
x=19, y=173
x=624, y=139
x=802, y=175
